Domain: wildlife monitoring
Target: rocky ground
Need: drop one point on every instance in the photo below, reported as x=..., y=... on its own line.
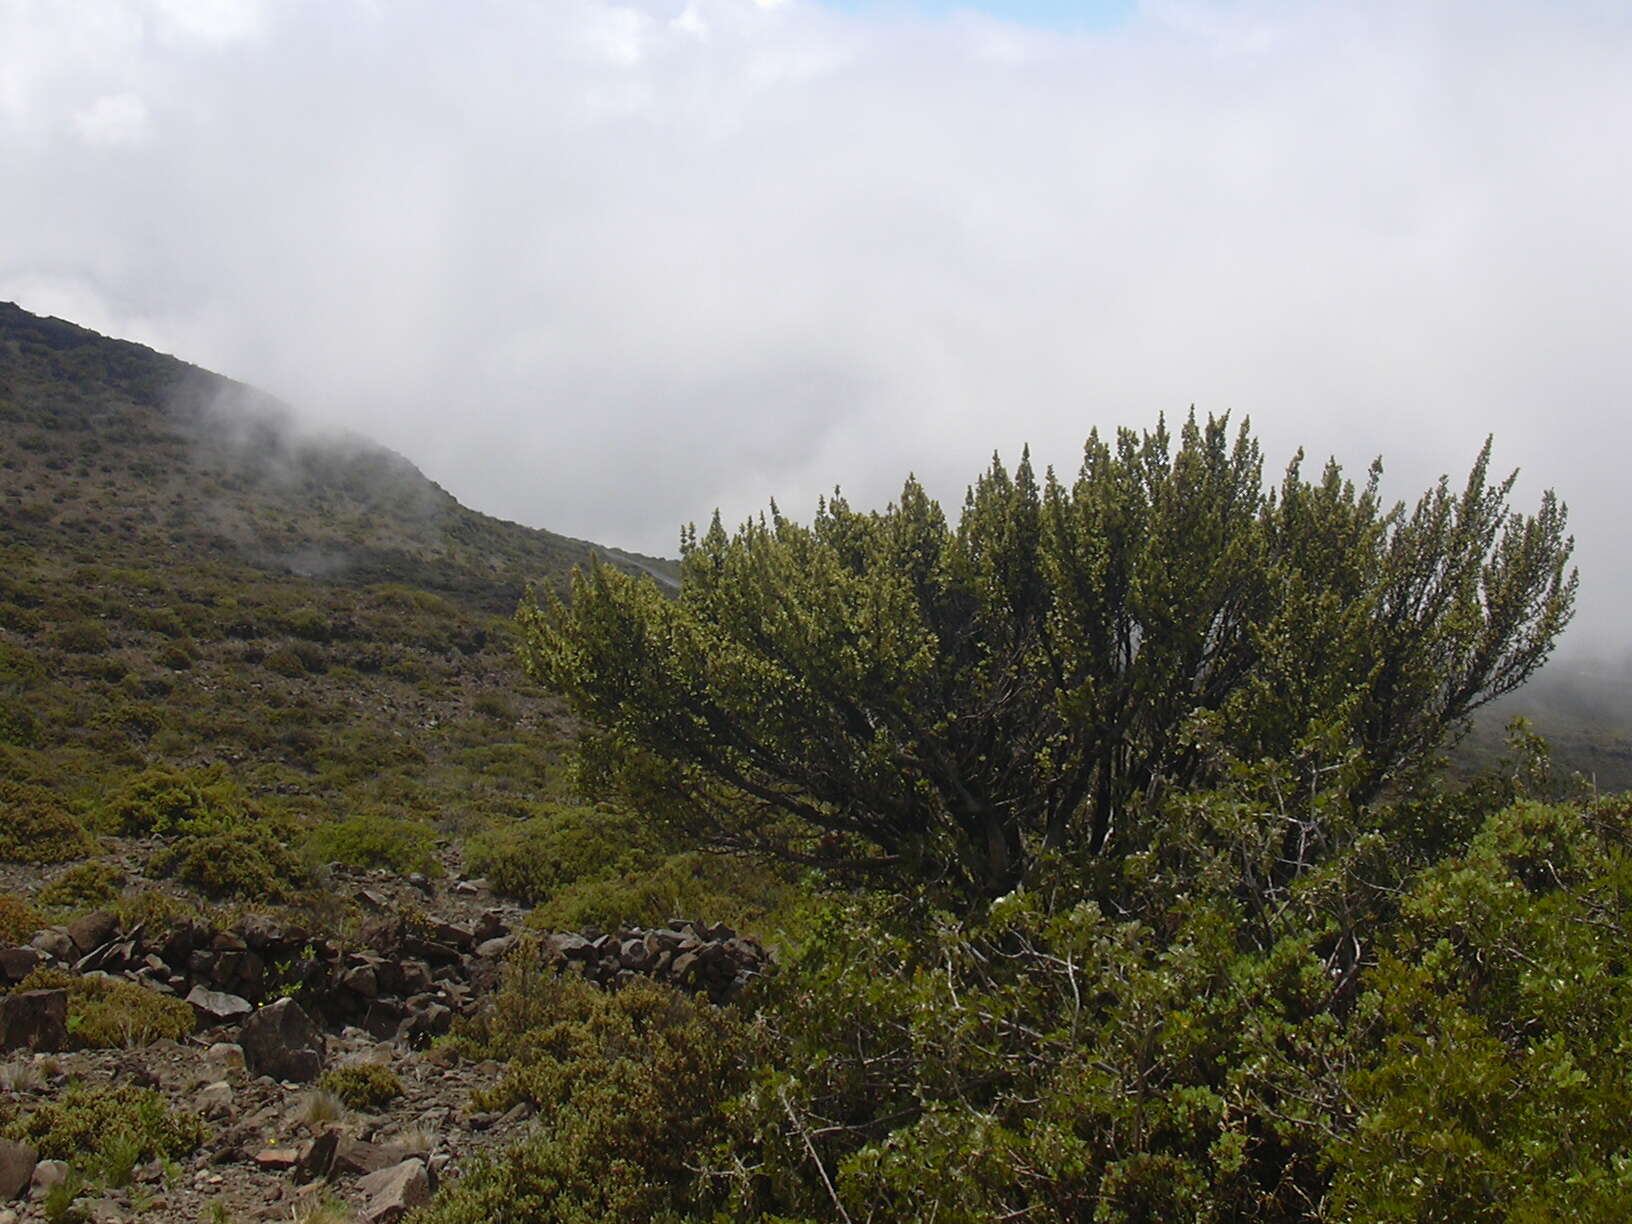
x=275, y=1006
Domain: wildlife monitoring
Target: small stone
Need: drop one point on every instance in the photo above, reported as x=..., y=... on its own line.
x=493, y=949
x=214, y=1100
x=361, y=980
x=224, y=1056
x=277, y=1159
x=47, y=1173
x=394, y=1192
x=17, y=1161
x=54, y=943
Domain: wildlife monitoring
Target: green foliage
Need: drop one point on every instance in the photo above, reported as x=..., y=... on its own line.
x=35, y=827
x=108, y=1014
x=952, y=703
x=18, y=919
x=738, y=891
x=533, y=859
x=247, y=861
x=81, y=637
x=85, y=1118
x=365, y=1086
x=1500, y=1088
x=163, y=801
x=83, y=887
x=632, y=1083
x=374, y=840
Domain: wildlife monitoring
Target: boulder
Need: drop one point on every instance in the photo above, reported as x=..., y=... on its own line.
x=280, y=1040
x=91, y=931
x=217, y=1006
x=34, y=1020
x=394, y=1192
x=54, y=942
x=17, y=1161
x=18, y=963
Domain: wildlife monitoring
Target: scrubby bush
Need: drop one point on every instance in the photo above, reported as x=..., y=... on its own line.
x=18, y=919
x=108, y=1014
x=533, y=859
x=83, y=887
x=81, y=637
x=739, y=891
x=164, y=800
x=369, y=1087
x=373, y=840
x=35, y=827
x=245, y=861
x=85, y=1117
x=633, y=1083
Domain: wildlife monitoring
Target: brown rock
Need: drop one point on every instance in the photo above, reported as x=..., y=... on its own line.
x=18, y=963
x=317, y=1157
x=91, y=931
x=218, y=1007
x=17, y=1161
x=280, y=1040
x=394, y=1192
x=54, y=942
x=277, y=1159
x=34, y=1020
x=361, y=980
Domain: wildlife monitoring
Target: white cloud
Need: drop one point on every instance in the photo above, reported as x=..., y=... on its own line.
x=602, y=267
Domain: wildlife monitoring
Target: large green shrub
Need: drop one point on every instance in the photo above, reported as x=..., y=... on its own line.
x=82, y=1120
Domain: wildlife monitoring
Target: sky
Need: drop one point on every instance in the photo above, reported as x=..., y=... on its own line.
x=604, y=267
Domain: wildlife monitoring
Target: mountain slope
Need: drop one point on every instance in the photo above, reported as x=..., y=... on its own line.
x=110, y=446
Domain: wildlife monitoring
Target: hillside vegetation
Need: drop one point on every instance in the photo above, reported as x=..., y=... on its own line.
x=1293, y=986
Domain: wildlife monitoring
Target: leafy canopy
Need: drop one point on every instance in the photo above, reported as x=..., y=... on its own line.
x=889, y=691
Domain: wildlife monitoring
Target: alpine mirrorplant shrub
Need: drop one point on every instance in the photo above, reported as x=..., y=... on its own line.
x=108, y=1014
x=18, y=919
x=84, y=886
x=36, y=828
x=375, y=840
x=84, y=1116
x=369, y=1087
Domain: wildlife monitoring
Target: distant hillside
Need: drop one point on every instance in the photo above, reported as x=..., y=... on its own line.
x=188, y=580
x=111, y=447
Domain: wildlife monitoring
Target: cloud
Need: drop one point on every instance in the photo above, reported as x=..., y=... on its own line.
x=603, y=267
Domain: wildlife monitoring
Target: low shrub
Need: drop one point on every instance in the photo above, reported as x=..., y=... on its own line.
x=632, y=1082
x=534, y=859
x=734, y=890
x=81, y=637
x=247, y=861
x=86, y=1117
x=107, y=1014
x=85, y=886
x=369, y=1087
x=164, y=800
x=36, y=828
x=18, y=919
x=373, y=840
